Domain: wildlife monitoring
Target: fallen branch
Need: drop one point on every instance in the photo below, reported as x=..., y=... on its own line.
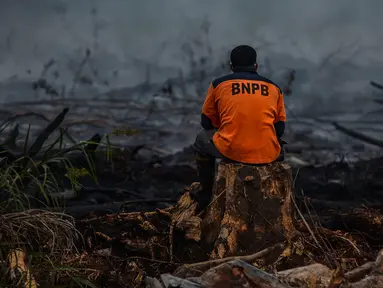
x=376, y=85
x=101, y=104
x=298, y=148
x=78, y=211
x=203, y=266
x=357, y=135
x=378, y=264
x=359, y=272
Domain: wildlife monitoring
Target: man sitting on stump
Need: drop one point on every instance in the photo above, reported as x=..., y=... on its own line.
x=243, y=119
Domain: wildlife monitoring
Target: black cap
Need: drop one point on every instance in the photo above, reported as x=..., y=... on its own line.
x=243, y=56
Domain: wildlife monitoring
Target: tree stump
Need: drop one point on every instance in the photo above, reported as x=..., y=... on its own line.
x=250, y=209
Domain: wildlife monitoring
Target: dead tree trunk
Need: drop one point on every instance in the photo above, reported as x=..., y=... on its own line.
x=251, y=208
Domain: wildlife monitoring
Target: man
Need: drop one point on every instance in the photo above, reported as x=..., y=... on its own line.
x=243, y=118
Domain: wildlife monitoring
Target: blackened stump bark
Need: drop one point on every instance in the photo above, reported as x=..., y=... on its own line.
x=250, y=209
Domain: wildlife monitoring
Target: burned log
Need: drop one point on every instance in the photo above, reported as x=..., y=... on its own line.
x=251, y=208
x=315, y=275
x=196, y=269
x=359, y=273
x=376, y=85
x=358, y=135
x=369, y=282
x=375, y=278
x=235, y=273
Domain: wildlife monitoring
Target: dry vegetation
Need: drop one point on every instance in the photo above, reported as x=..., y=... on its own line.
x=44, y=240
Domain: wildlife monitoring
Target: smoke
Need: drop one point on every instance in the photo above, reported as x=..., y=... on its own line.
x=336, y=47
x=130, y=35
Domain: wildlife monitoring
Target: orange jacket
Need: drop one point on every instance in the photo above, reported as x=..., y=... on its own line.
x=244, y=107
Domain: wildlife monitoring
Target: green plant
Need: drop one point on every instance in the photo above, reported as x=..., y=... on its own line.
x=29, y=183
x=44, y=240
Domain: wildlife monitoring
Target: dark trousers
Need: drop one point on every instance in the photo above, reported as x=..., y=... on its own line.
x=206, y=154
x=204, y=145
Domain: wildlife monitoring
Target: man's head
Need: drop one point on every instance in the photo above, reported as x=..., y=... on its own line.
x=243, y=57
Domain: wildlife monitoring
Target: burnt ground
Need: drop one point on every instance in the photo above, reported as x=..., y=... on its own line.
x=337, y=194
x=130, y=183
x=341, y=202
x=345, y=197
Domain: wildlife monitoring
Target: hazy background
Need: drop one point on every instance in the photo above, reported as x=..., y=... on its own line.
x=335, y=46
x=32, y=31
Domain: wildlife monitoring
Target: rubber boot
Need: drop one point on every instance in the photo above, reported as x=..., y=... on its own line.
x=281, y=156
x=206, y=175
